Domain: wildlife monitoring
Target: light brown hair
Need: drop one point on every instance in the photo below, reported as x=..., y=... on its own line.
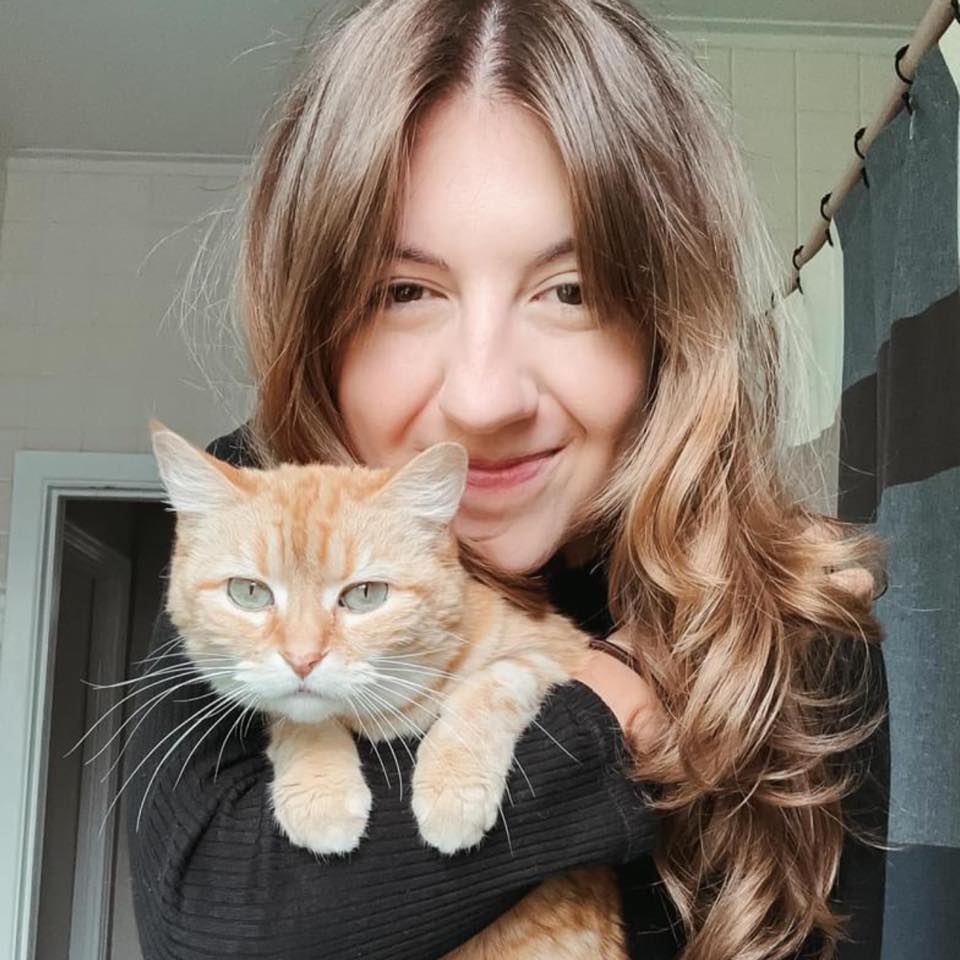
x=715, y=561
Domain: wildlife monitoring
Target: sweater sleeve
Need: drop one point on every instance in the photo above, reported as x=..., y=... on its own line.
x=213, y=877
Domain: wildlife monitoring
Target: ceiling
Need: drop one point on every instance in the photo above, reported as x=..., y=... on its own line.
x=196, y=76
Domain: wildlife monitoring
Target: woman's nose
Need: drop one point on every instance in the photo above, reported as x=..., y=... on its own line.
x=487, y=385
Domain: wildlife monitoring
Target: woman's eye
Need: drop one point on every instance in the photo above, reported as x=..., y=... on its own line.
x=402, y=293
x=249, y=594
x=363, y=597
x=569, y=294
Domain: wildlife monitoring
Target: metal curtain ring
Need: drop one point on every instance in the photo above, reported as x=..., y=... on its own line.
x=885, y=581
x=857, y=137
x=825, y=199
x=896, y=63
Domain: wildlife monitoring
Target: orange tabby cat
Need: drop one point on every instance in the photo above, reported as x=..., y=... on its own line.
x=337, y=594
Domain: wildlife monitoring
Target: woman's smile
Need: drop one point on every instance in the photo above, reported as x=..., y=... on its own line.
x=486, y=476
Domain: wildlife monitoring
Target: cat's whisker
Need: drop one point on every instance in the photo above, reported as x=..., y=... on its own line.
x=202, y=696
x=226, y=738
x=172, y=668
x=373, y=714
x=367, y=737
x=123, y=749
x=419, y=650
x=470, y=750
x=213, y=710
x=385, y=704
x=414, y=665
x=181, y=657
x=371, y=696
x=119, y=704
x=152, y=704
x=170, y=649
x=245, y=730
x=435, y=715
x=410, y=665
x=234, y=705
x=372, y=743
x=417, y=647
x=539, y=726
x=166, y=645
x=157, y=682
x=119, y=731
x=167, y=649
x=457, y=636
x=201, y=712
x=447, y=710
x=251, y=707
x=506, y=829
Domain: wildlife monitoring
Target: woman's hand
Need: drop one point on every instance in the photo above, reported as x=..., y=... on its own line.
x=633, y=700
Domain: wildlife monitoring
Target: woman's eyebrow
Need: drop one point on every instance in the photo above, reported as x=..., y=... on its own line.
x=554, y=252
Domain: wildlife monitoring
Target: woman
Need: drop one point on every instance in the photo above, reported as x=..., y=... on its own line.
x=525, y=226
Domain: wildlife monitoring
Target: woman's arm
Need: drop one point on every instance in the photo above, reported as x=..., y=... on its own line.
x=212, y=876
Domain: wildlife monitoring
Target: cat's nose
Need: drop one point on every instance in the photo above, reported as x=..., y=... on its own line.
x=302, y=663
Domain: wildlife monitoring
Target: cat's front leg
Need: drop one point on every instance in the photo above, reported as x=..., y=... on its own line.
x=319, y=797
x=463, y=761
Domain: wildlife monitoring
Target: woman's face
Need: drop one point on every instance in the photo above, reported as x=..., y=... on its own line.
x=481, y=339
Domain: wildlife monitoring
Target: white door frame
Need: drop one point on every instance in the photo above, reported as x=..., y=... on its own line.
x=111, y=572
x=42, y=480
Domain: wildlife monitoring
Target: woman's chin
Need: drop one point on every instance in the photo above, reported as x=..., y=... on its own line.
x=513, y=555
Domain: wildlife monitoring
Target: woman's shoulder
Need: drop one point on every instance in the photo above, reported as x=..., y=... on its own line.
x=233, y=447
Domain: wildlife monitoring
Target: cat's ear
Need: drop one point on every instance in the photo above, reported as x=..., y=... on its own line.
x=431, y=484
x=195, y=481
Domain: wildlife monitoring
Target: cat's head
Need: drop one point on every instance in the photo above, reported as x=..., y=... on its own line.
x=312, y=591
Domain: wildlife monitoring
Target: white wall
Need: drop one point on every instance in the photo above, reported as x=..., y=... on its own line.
x=799, y=99
x=84, y=286
x=93, y=254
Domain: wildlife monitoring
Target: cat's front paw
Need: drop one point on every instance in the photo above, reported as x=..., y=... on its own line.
x=453, y=808
x=326, y=822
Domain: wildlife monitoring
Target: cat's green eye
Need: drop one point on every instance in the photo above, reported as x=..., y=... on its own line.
x=249, y=594
x=363, y=597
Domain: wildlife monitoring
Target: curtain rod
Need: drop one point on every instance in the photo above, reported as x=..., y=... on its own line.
x=929, y=31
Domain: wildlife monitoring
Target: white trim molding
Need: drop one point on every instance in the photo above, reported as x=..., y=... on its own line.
x=814, y=31
x=119, y=162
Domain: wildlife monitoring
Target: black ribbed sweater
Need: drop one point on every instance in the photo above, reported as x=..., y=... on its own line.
x=213, y=877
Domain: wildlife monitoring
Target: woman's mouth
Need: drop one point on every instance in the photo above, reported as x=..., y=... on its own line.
x=506, y=474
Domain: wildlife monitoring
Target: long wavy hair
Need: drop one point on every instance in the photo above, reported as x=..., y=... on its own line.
x=716, y=564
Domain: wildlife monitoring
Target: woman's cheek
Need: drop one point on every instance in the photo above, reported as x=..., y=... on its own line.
x=385, y=381
x=599, y=378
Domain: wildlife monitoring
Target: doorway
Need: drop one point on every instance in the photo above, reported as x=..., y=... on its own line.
x=87, y=565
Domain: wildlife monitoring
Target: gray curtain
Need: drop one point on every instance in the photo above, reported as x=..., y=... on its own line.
x=899, y=472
